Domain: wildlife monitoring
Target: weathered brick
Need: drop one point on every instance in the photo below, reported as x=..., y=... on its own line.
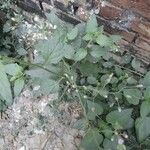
x=141, y=27
x=109, y=11
x=142, y=54
x=141, y=7
x=143, y=43
x=126, y=35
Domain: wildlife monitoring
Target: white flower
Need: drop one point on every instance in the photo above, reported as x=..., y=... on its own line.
x=35, y=52
x=36, y=18
x=120, y=141
x=36, y=88
x=85, y=96
x=66, y=75
x=140, y=86
x=84, y=87
x=54, y=27
x=119, y=109
x=111, y=105
x=71, y=77
x=96, y=11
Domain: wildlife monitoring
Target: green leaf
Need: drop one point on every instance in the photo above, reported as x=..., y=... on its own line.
x=92, y=80
x=80, y=54
x=40, y=73
x=92, y=25
x=121, y=147
x=52, y=50
x=147, y=93
x=131, y=81
x=119, y=72
x=133, y=95
x=94, y=109
x=73, y=34
x=145, y=108
x=81, y=124
x=115, y=38
x=112, y=145
x=88, y=68
x=47, y=86
x=5, y=92
x=146, y=80
x=97, y=51
x=121, y=119
x=69, y=51
x=103, y=40
x=103, y=92
x=88, y=37
x=13, y=69
x=52, y=18
x=142, y=126
x=136, y=64
x=126, y=59
x=18, y=86
x=91, y=140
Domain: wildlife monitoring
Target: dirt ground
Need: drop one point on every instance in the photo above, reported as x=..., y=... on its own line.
x=35, y=124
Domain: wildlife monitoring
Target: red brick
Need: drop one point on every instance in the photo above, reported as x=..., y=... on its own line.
x=141, y=27
x=126, y=35
x=109, y=12
x=143, y=43
x=142, y=54
x=141, y=7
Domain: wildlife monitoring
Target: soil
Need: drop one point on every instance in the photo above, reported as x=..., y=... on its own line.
x=35, y=124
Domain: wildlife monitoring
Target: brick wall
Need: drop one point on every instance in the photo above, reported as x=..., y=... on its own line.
x=131, y=19
x=128, y=18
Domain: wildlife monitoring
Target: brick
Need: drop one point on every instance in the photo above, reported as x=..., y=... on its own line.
x=142, y=54
x=126, y=35
x=109, y=11
x=143, y=43
x=141, y=27
x=141, y=7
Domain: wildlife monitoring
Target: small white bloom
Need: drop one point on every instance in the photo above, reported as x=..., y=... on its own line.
x=111, y=105
x=85, y=96
x=71, y=77
x=93, y=109
x=73, y=86
x=140, y=86
x=66, y=75
x=69, y=90
x=116, y=98
x=96, y=11
x=35, y=52
x=36, y=18
x=84, y=87
x=36, y=88
x=119, y=109
x=125, y=136
x=112, y=139
x=77, y=90
x=120, y=141
x=128, y=96
x=67, y=82
x=105, y=96
x=54, y=27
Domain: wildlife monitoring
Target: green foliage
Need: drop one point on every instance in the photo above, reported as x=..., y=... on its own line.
x=92, y=140
x=5, y=92
x=76, y=63
x=120, y=120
